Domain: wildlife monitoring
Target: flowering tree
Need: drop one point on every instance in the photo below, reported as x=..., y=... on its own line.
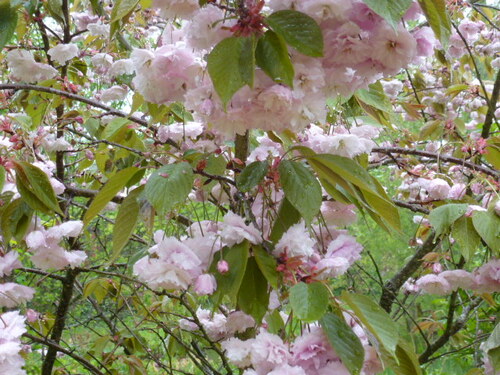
x=182, y=184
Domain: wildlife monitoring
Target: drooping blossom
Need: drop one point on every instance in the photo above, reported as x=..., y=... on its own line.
x=205, y=284
x=12, y=294
x=295, y=242
x=11, y=329
x=173, y=265
x=63, y=52
x=114, y=93
x=8, y=263
x=24, y=68
x=234, y=230
x=48, y=253
x=434, y=284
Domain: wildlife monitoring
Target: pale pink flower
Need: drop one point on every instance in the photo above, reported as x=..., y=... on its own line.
x=234, y=230
x=8, y=263
x=207, y=28
x=288, y=370
x=238, y=351
x=12, y=294
x=394, y=49
x=222, y=266
x=337, y=213
x=164, y=76
x=268, y=352
x=178, y=131
x=457, y=191
x=32, y=315
x=83, y=19
x=312, y=351
x=488, y=277
x=239, y=322
x=99, y=29
x=213, y=323
x=332, y=267
x=175, y=266
x=434, y=284
x=459, y=279
x=295, y=242
x=426, y=41
x=344, y=246
x=120, y=67
x=438, y=189
x=176, y=8
x=63, y=52
x=205, y=284
x=11, y=329
x=24, y=68
x=114, y=93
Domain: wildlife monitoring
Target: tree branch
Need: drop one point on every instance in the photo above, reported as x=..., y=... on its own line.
x=490, y=115
x=432, y=155
x=56, y=347
x=391, y=287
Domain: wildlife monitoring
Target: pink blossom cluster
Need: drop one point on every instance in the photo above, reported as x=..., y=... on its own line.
x=485, y=279
x=11, y=329
x=12, y=294
x=45, y=246
x=360, y=48
x=219, y=326
x=309, y=354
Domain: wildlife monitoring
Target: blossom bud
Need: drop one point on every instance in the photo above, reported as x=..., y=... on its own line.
x=222, y=266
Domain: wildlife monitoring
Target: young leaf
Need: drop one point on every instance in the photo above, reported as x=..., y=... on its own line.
x=287, y=216
x=487, y=224
x=108, y=192
x=15, y=220
x=34, y=186
x=169, y=186
x=344, y=341
x=492, y=348
x=403, y=362
x=301, y=188
x=231, y=66
x=390, y=10
x=125, y=223
x=437, y=16
x=299, y=30
x=466, y=236
x=309, y=301
x=228, y=284
x=252, y=175
x=267, y=264
x=272, y=56
x=253, y=296
x=443, y=217
x=8, y=22
x=121, y=8
x=376, y=320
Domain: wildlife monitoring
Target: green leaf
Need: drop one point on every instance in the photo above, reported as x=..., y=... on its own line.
x=274, y=322
x=108, y=192
x=344, y=341
x=253, y=295
x=299, y=30
x=390, y=10
x=169, y=186
x=121, y=8
x=267, y=264
x=231, y=66
x=466, y=236
x=487, y=224
x=443, y=217
x=347, y=168
x=376, y=320
x=34, y=186
x=228, y=284
x=2, y=177
x=252, y=175
x=375, y=96
x=272, y=56
x=437, y=16
x=383, y=208
x=8, y=22
x=113, y=127
x=15, y=220
x=404, y=361
x=126, y=220
x=287, y=216
x=309, y=301
x=301, y=188
x=492, y=348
